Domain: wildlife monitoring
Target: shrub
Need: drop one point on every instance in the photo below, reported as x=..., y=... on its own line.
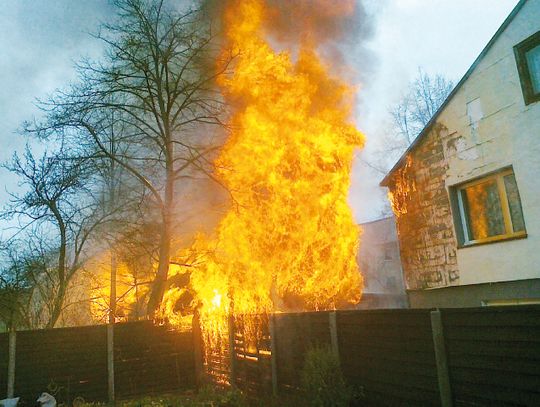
x=222, y=397
x=322, y=380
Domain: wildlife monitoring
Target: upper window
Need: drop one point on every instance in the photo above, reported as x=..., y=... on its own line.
x=528, y=62
x=489, y=209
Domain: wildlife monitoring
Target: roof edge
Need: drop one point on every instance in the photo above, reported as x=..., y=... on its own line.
x=385, y=181
x=377, y=220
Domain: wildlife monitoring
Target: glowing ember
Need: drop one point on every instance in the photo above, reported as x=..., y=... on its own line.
x=289, y=240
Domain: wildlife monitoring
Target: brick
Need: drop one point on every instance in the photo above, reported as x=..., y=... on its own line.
x=426, y=232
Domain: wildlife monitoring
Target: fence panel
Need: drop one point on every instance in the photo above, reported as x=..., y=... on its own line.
x=253, y=354
x=71, y=363
x=388, y=356
x=216, y=355
x=4, y=349
x=295, y=333
x=151, y=359
x=493, y=355
x=68, y=362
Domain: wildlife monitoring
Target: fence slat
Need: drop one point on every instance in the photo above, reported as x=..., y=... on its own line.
x=232, y=354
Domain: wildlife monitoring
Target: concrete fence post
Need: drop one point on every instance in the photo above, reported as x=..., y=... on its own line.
x=232, y=352
x=11, y=364
x=110, y=362
x=273, y=353
x=332, y=320
x=198, y=349
x=443, y=375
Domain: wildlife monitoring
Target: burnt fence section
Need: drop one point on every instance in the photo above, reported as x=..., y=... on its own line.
x=451, y=357
x=252, y=354
x=216, y=355
x=72, y=363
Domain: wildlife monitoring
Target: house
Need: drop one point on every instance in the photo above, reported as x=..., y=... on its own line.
x=380, y=265
x=466, y=193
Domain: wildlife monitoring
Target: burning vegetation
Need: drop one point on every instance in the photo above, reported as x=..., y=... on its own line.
x=288, y=241
x=146, y=124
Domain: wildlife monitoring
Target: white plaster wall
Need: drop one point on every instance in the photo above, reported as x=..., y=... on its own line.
x=371, y=256
x=508, y=134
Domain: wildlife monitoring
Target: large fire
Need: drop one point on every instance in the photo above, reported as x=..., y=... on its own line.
x=289, y=240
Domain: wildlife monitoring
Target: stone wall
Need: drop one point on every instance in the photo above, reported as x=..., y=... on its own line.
x=424, y=221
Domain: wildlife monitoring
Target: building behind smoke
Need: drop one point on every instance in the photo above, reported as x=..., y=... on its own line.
x=466, y=193
x=380, y=265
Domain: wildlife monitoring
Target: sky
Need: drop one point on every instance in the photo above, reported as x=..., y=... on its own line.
x=40, y=41
x=441, y=37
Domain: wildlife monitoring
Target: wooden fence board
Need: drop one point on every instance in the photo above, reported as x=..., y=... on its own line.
x=296, y=333
x=252, y=354
x=69, y=362
x=388, y=356
x=72, y=362
x=494, y=355
x=467, y=394
x=389, y=353
x=151, y=360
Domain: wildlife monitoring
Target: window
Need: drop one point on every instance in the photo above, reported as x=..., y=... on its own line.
x=528, y=63
x=489, y=209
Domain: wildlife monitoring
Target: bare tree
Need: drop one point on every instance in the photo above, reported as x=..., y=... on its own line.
x=159, y=81
x=15, y=287
x=29, y=270
x=416, y=108
x=59, y=213
x=409, y=116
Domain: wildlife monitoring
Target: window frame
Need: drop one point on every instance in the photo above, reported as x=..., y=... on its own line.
x=460, y=215
x=523, y=67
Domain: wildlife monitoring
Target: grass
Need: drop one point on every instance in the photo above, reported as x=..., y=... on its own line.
x=207, y=397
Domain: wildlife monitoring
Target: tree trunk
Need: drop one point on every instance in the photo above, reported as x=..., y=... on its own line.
x=57, y=307
x=62, y=283
x=158, y=286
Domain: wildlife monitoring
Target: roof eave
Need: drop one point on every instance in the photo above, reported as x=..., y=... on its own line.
x=385, y=181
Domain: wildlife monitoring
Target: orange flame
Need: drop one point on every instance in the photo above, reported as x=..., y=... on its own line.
x=404, y=187
x=289, y=240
